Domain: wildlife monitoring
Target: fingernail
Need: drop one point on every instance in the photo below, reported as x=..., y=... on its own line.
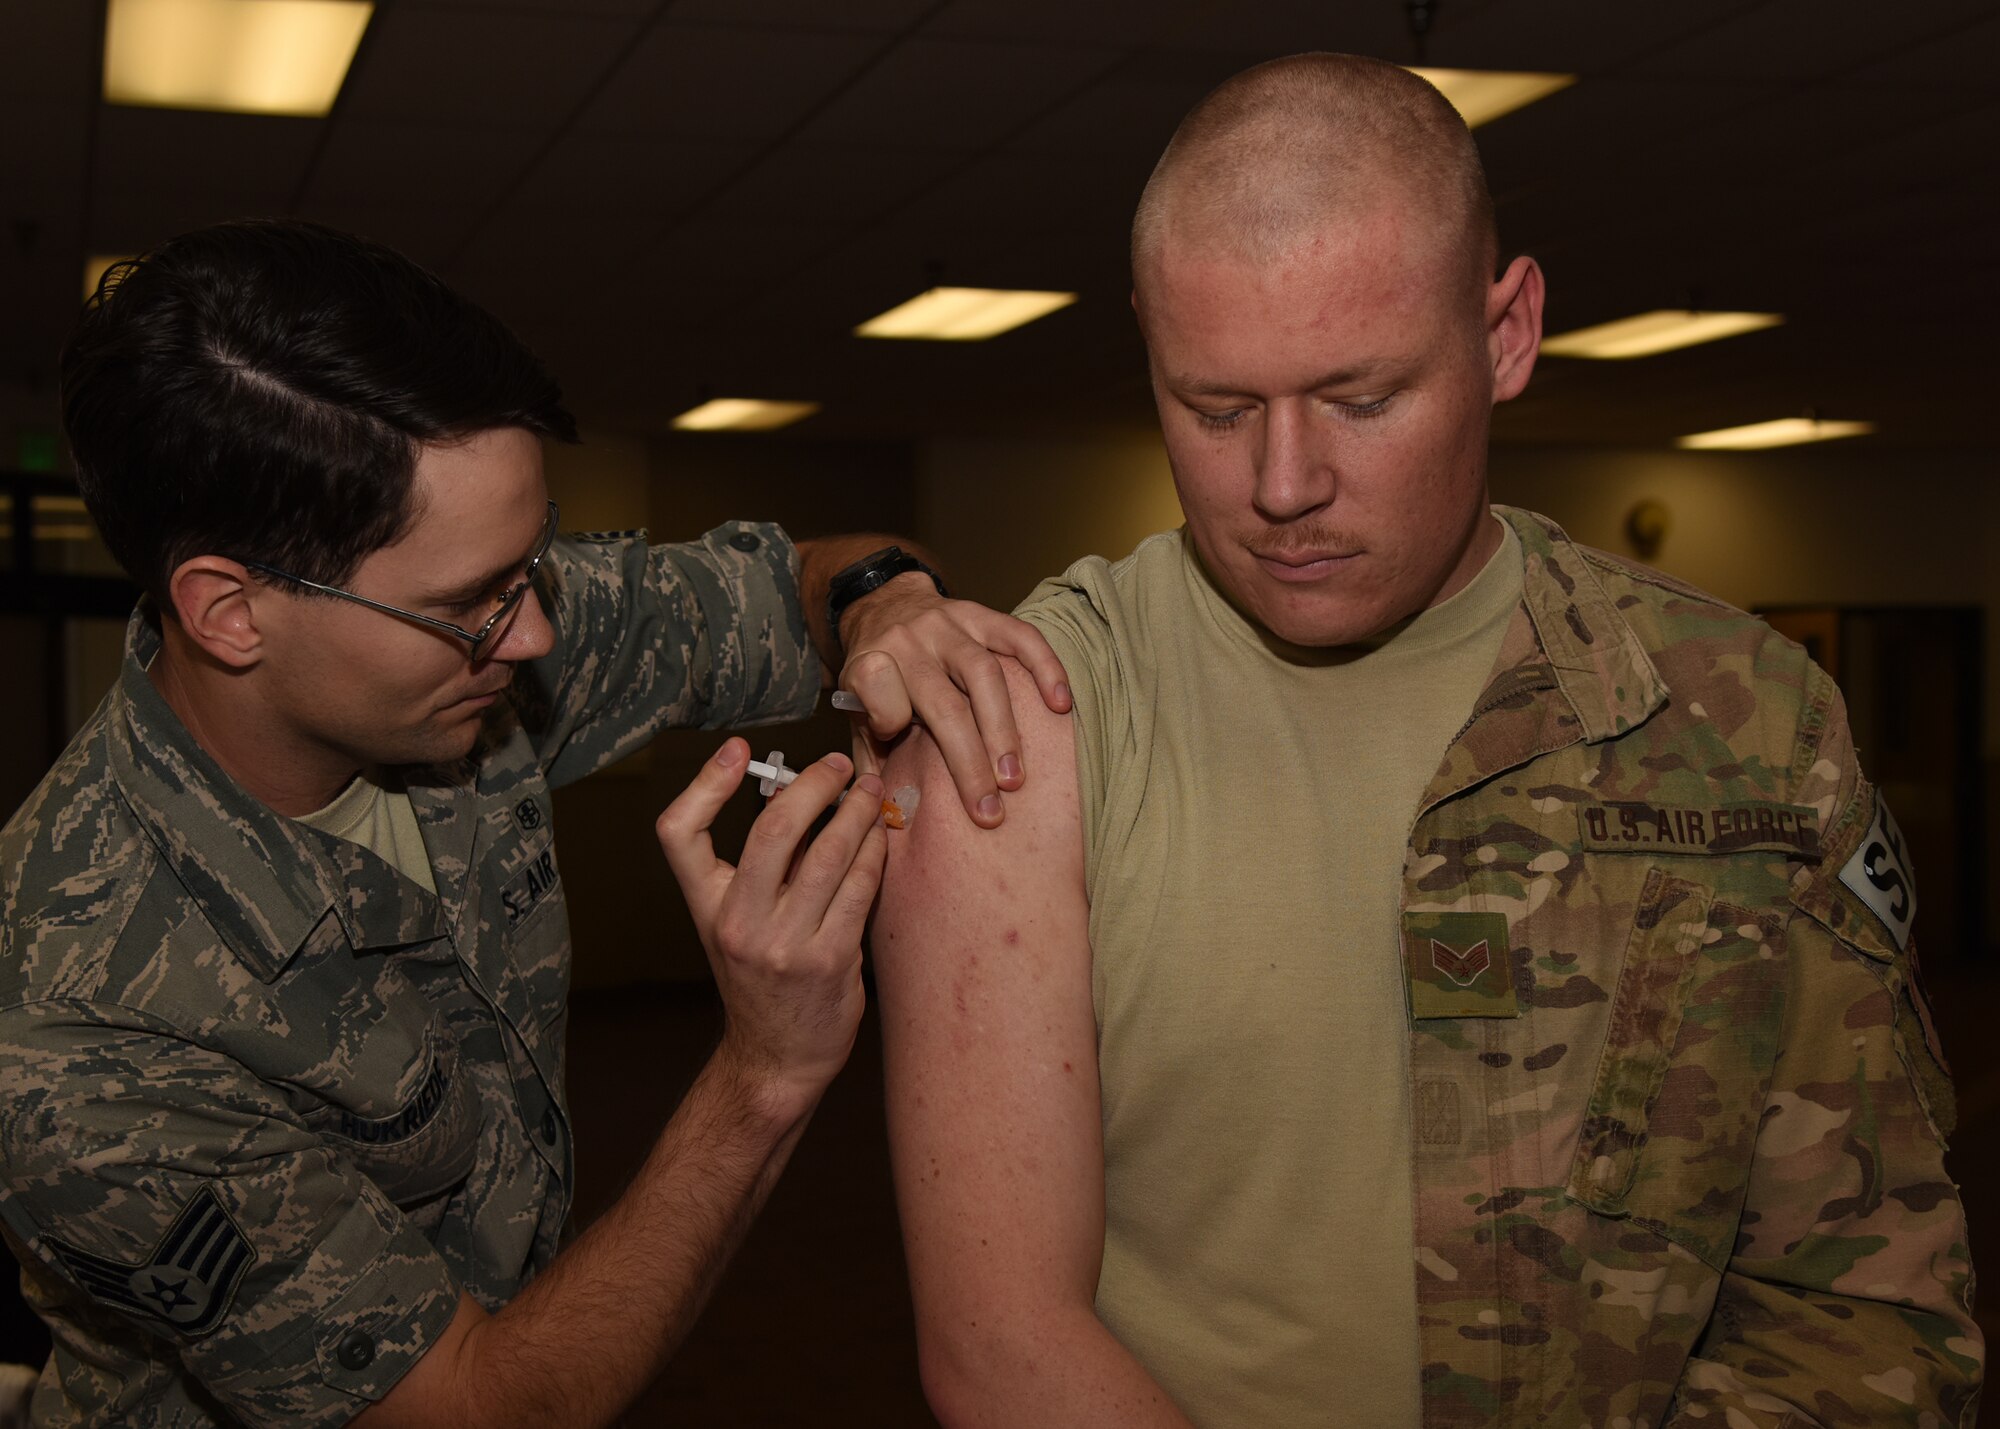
x=1062, y=693
x=1010, y=767
x=869, y=785
x=726, y=756
x=840, y=762
x=989, y=807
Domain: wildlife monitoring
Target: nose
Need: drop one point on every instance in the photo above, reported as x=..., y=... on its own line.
x=1295, y=475
x=528, y=635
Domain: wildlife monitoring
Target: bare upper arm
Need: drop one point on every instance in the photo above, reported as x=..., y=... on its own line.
x=982, y=957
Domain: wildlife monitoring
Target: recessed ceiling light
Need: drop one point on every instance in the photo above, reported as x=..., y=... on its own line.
x=239, y=56
x=964, y=314
x=1661, y=330
x=1483, y=95
x=1785, y=432
x=743, y=414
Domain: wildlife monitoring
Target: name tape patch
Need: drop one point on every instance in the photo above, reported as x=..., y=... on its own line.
x=1880, y=875
x=527, y=888
x=1628, y=826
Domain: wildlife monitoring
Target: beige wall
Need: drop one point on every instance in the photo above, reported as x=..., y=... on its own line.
x=1821, y=526
x=1806, y=527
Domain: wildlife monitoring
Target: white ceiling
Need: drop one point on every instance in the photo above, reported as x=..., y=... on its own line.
x=677, y=199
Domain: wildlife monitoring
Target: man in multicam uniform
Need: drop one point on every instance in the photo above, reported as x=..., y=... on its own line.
x=1467, y=979
x=284, y=1131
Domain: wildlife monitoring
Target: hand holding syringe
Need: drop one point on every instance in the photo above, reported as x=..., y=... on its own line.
x=772, y=775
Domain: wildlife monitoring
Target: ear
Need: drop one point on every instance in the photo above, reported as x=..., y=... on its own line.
x=1514, y=326
x=217, y=602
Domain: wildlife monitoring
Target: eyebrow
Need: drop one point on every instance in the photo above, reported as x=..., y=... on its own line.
x=466, y=590
x=1366, y=370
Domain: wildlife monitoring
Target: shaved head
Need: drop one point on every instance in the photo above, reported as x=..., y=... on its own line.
x=1284, y=150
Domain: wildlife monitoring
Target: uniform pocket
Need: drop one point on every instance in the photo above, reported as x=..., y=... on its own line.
x=1671, y=1126
x=424, y=1147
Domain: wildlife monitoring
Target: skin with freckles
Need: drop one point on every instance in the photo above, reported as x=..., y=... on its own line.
x=1325, y=412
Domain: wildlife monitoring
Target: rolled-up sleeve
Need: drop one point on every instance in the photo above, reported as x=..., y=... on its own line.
x=706, y=634
x=160, y=1186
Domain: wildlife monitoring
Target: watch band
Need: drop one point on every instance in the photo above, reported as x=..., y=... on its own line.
x=871, y=573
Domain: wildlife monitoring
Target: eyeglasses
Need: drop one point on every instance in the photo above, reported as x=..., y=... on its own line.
x=482, y=639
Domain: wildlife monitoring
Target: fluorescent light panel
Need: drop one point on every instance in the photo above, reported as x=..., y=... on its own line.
x=1661, y=330
x=1483, y=95
x=239, y=56
x=964, y=314
x=1785, y=432
x=743, y=414
x=94, y=269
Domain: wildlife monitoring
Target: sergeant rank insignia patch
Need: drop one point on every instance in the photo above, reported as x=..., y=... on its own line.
x=189, y=1278
x=1457, y=965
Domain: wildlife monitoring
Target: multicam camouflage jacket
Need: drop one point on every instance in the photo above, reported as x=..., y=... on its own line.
x=1679, y=1113
x=267, y=1106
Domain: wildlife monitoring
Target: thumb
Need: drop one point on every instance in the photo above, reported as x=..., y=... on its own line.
x=683, y=826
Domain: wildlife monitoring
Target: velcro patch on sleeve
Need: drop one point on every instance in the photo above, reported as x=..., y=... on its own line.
x=1457, y=965
x=1632, y=826
x=187, y=1280
x=1880, y=875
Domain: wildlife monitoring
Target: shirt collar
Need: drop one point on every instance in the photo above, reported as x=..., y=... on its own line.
x=1595, y=656
x=263, y=882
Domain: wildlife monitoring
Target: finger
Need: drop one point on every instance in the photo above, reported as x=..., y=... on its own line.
x=827, y=861
x=985, y=685
x=948, y=715
x=782, y=826
x=847, y=915
x=876, y=678
x=683, y=826
x=1009, y=635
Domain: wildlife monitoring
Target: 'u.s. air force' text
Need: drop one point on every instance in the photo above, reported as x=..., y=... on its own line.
x=1629, y=826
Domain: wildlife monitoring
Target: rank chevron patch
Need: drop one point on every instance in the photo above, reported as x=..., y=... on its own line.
x=1461, y=968
x=189, y=1278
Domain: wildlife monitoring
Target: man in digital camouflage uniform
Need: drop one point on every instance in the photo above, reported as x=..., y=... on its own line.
x=1467, y=979
x=284, y=953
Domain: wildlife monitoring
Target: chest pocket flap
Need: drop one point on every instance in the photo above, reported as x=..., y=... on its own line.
x=427, y=1144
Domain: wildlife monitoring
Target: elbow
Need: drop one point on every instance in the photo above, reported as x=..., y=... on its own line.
x=950, y=1386
x=958, y=1370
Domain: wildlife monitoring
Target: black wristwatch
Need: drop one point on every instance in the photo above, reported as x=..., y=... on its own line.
x=870, y=573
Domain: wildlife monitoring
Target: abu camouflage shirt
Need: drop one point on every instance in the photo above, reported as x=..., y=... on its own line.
x=266, y=1106
x=1679, y=1112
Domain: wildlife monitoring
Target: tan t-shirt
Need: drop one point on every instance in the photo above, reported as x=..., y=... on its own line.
x=1246, y=807
x=380, y=819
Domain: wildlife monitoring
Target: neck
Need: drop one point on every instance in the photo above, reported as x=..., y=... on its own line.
x=223, y=709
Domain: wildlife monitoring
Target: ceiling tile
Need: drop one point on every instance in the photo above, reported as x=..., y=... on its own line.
x=970, y=94
x=1568, y=36
x=183, y=151
x=1782, y=41
x=1262, y=31
x=1133, y=110
x=724, y=83
x=507, y=69
x=129, y=221
x=58, y=41
x=870, y=15
x=660, y=175
x=804, y=182
x=424, y=232
x=406, y=164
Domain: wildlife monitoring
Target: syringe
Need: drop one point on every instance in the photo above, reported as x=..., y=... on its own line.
x=772, y=775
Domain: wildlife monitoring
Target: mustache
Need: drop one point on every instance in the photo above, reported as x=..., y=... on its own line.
x=1315, y=536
